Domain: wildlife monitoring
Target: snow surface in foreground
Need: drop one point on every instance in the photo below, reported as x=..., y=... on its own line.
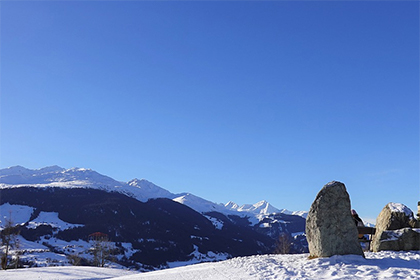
x=382, y=265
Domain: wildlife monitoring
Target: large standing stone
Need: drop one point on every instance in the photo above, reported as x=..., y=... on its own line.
x=330, y=228
x=394, y=229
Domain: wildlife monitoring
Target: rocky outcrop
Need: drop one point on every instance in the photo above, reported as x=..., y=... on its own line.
x=396, y=229
x=330, y=229
x=405, y=239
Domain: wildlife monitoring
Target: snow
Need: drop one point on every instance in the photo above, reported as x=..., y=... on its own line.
x=398, y=207
x=148, y=190
x=303, y=214
x=19, y=214
x=199, y=204
x=40, y=253
x=196, y=255
x=393, y=234
x=265, y=225
x=50, y=251
x=47, y=258
x=367, y=224
x=30, y=246
x=55, y=177
x=231, y=205
x=19, y=170
x=294, y=234
x=63, y=273
x=128, y=249
x=382, y=265
x=52, y=219
x=218, y=224
x=262, y=207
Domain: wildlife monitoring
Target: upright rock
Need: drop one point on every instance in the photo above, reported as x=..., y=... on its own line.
x=396, y=229
x=330, y=228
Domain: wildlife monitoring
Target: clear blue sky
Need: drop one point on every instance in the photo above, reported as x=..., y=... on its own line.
x=241, y=101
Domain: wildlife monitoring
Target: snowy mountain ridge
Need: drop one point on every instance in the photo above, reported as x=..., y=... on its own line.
x=59, y=206
x=142, y=190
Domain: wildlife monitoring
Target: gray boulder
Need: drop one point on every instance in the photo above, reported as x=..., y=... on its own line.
x=394, y=229
x=330, y=228
x=394, y=216
x=405, y=239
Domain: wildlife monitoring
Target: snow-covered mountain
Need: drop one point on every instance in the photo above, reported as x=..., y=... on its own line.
x=262, y=207
x=58, y=207
x=143, y=190
x=54, y=176
x=147, y=190
x=199, y=204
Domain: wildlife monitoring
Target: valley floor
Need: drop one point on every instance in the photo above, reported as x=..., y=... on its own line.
x=382, y=265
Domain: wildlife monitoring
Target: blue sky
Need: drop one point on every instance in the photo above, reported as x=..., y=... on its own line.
x=241, y=101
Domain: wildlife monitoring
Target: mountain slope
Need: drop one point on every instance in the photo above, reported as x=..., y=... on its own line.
x=158, y=231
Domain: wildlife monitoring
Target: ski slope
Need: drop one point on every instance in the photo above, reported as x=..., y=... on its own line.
x=383, y=265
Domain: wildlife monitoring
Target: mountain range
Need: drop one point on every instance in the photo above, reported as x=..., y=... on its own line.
x=142, y=190
x=149, y=226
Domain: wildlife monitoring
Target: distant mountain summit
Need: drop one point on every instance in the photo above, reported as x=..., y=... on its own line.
x=199, y=204
x=55, y=176
x=20, y=170
x=262, y=207
x=148, y=190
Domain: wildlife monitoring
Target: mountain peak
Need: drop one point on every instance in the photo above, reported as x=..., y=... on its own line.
x=20, y=170
x=55, y=176
x=261, y=203
x=13, y=170
x=80, y=169
x=148, y=189
x=231, y=205
x=136, y=182
x=261, y=207
x=53, y=168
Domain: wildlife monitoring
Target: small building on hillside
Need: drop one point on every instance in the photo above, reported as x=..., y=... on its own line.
x=98, y=236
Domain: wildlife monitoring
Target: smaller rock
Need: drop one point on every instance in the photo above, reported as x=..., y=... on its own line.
x=405, y=239
x=394, y=229
x=398, y=216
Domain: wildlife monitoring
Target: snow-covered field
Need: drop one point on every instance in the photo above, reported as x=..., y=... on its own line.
x=382, y=265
